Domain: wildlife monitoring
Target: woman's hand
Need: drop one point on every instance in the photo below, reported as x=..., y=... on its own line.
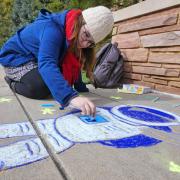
x=86, y=106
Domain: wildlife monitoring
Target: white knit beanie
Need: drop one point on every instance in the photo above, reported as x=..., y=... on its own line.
x=99, y=22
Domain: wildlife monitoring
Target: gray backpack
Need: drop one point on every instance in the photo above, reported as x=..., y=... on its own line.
x=108, y=69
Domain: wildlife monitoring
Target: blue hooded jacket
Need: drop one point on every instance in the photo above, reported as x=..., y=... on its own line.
x=45, y=41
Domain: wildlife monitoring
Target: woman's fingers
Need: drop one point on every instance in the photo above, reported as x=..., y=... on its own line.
x=83, y=110
x=93, y=108
x=88, y=109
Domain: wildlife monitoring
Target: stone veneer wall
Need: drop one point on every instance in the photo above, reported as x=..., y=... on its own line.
x=151, y=47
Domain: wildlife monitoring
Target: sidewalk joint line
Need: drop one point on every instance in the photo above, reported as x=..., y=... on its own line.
x=57, y=163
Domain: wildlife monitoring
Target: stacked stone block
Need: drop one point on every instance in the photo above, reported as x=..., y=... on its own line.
x=150, y=45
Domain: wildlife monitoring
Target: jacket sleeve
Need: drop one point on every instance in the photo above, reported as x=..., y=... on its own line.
x=49, y=52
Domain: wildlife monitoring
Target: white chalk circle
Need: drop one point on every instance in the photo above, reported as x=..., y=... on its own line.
x=145, y=115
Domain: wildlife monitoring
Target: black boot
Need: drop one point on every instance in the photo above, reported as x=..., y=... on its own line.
x=10, y=82
x=80, y=86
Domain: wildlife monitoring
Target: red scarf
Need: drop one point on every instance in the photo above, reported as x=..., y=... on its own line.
x=71, y=65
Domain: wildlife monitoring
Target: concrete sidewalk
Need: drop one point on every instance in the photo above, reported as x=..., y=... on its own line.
x=149, y=149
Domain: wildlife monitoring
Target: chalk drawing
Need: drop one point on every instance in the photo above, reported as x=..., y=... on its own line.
x=173, y=167
x=143, y=115
x=115, y=97
x=2, y=100
x=47, y=111
x=116, y=127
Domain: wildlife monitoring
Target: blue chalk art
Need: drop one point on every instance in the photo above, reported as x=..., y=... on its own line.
x=133, y=142
x=116, y=127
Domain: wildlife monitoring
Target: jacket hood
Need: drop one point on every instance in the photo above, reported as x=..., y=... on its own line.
x=58, y=18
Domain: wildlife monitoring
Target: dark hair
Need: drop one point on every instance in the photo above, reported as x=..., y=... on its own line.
x=85, y=55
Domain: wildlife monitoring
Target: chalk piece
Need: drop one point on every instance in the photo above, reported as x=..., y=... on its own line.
x=176, y=105
x=156, y=99
x=47, y=105
x=90, y=119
